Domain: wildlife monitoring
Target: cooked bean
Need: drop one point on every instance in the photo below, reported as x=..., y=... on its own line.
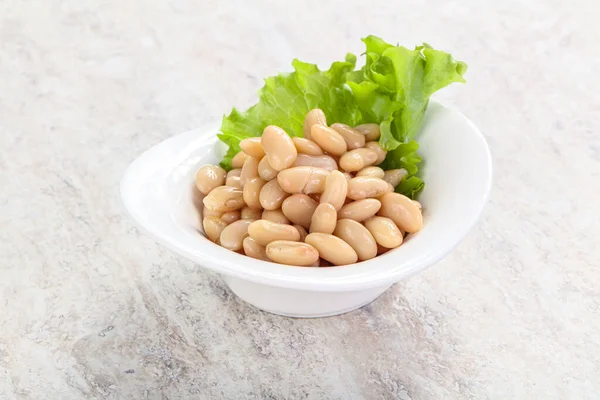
x=402, y=210
x=249, y=213
x=207, y=212
x=336, y=187
x=357, y=159
x=419, y=206
x=231, y=216
x=322, y=161
x=299, y=209
x=254, y=250
x=249, y=170
x=213, y=226
x=272, y=195
x=381, y=153
x=209, y=177
x=363, y=187
x=375, y=172
x=307, y=146
x=233, y=235
x=292, y=253
x=332, y=248
x=234, y=181
x=357, y=236
x=275, y=216
x=252, y=147
x=385, y=232
x=238, y=160
x=360, y=210
x=371, y=131
x=279, y=147
x=224, y=198
x=323, y=219
x=264, y=232
x=395, y=176
x=348, y=176
x=354, y=139
x=316, y=197
x=301, y=231
x=328, y=139
x=251, y=192
x=305, y=180
x=265, y=171
x=235, y=172
x=314, y=116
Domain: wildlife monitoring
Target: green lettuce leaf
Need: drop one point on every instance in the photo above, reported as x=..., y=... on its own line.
x=392, y=89
x=285, y=99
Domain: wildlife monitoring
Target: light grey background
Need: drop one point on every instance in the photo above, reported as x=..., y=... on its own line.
x=90, y=308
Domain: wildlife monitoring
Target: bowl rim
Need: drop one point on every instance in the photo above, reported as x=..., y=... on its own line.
x=357, y=276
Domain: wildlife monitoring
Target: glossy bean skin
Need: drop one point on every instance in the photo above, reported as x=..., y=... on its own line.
x=249, y=169
x=279, y=147
x=233, y=235
x=234, y=181
x=357, y=236
x=307, y=146
x=360, y=210
x=354, y=139
x=381, y=153
x=357, y=159
x=385, y=232
x=328, y=139
x=207, y=212
x=224, y=198
x=363, y=187
x=253, y=147
x=332, y=248
x=323, y=219
x=305, y=180
x=292, y=253
x=265, y=232
x=275, y=216
x=265, y=171
x=210, y=177
x=272, y=195
x=254, y=250
x=314, y=116
x=394, y=176
x=336, y=187
x=238, y=160
x=301, y=231
x=321, y=161
x=402, y=210
x=251, y=192
x=371, y=131
x=419, y=206
x=299, y=208
x=231, y=216
x=213, y=226
x=375, y=172
x=249, y=213
x=235, y=172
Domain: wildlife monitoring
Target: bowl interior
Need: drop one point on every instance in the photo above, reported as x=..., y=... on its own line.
x=159, y=192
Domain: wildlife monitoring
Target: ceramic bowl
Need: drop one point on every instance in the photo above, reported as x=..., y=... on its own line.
x=158, y=190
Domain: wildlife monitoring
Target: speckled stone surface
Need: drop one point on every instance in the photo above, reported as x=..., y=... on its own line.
x=91, y=308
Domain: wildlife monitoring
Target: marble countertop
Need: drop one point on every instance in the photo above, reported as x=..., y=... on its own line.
x=92, y=308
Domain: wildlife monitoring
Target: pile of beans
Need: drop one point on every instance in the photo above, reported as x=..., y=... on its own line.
x=313, y=201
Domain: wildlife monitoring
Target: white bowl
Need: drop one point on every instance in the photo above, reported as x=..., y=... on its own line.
x=159, y=192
